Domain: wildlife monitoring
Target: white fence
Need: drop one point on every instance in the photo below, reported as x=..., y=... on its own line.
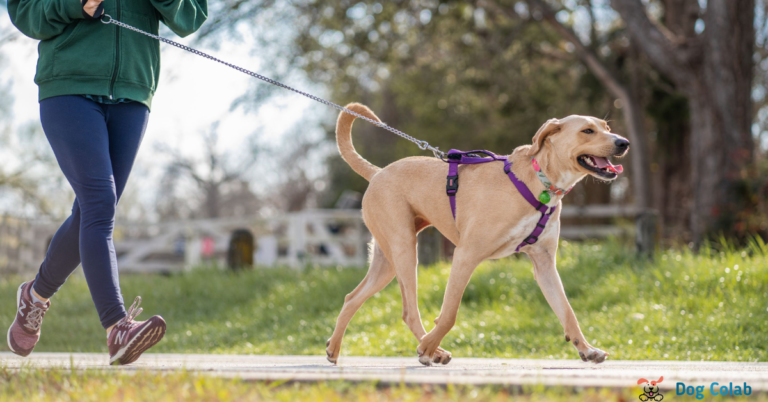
x=322, y=237
x=327, y=237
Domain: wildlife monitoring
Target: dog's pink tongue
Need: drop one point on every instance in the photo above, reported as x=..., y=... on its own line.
x=604, y=162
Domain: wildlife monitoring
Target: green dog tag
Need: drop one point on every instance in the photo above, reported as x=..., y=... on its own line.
x=544, y=197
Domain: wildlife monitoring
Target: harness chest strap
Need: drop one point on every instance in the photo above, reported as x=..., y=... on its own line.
x=456, y=158
x=541, y=207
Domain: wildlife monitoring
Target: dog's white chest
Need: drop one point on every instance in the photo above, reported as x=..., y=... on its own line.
x=517, y=233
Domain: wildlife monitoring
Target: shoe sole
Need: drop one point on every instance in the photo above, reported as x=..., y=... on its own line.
x=126, y=356
x=18, y=300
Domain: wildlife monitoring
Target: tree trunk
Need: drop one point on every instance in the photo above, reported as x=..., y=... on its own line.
x=634, y=116
x=634, y=119
x=705, y=162
x=212, y=200
x=714, y=70
x=721, y=114
x=671, y=177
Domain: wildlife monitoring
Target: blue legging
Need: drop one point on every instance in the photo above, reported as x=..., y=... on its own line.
x=95, y=145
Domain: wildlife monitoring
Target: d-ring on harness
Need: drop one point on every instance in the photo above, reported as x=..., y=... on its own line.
x=456, y=158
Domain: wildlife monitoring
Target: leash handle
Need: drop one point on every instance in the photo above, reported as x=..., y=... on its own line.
x=424, y=145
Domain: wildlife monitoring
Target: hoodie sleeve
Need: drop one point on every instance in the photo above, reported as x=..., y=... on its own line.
x=183, y=16
x=44, y=19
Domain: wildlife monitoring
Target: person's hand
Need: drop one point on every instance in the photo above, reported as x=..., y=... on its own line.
x=91, y=6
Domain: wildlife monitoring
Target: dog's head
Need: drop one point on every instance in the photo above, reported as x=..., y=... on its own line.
x=582, y=144
x=649, y=387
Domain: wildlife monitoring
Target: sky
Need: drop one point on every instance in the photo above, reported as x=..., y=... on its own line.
x=192, y=94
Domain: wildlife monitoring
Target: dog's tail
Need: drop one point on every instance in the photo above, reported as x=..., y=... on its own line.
x=344, y=140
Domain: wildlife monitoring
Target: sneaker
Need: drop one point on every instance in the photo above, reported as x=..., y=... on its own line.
x=129, y=339
x=25, y=330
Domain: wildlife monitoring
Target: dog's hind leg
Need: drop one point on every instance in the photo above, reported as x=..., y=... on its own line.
x=380, y=273
x=406, y=267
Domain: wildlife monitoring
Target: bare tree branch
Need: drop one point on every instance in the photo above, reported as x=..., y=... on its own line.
x=187, y=166
x=592, y=21
x=585, y=54
x=680, y=18
x=233, y=12
x=555, y=54
x=658, y=47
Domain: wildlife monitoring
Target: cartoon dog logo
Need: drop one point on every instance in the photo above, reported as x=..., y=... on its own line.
x=650, y=390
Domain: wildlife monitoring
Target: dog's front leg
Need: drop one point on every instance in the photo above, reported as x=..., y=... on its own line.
x=549, y=281
x=464, y=264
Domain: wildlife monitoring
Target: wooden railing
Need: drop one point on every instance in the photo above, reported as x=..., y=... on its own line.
x=642, y=222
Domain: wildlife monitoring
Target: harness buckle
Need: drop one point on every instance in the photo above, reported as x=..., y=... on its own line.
x=454, y=156
x=452, y=185
x=534, y=238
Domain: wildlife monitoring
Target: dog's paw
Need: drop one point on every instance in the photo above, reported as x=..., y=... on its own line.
x=423, y=357
x=440, y=356
x=331, y=354
x=594, y=355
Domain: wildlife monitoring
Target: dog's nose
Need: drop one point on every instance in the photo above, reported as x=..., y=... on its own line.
x=622, y=144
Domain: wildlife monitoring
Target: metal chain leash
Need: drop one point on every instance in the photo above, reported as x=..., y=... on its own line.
x=107, y=19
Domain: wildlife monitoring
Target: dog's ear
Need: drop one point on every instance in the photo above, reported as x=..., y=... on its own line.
x=660, y=379
x=550, y=127
x=642, y=380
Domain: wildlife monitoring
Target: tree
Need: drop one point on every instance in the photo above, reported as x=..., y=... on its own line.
x=299, y=174
x=708, y=55
x=218, y=181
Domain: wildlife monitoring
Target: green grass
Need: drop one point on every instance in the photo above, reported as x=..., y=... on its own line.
x=33, y=385
x=680, y=306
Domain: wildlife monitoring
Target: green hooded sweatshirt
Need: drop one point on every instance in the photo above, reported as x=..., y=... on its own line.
x=83, y=56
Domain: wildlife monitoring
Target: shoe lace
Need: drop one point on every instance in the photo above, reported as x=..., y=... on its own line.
x=133, y=311
x=35, y=317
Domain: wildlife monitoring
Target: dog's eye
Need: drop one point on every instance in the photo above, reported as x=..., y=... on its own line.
x=588, y=131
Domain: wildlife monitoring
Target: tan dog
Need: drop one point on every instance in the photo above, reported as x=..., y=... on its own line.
x=492, y=218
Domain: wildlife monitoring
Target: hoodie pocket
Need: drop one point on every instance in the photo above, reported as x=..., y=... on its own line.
x=87, y=51
x=139, y=54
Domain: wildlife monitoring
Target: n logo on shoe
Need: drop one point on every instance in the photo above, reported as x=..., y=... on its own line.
x=120, y=337
x=23, y=306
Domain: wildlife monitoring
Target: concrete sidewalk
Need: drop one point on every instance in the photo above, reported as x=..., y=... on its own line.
x=613, y=373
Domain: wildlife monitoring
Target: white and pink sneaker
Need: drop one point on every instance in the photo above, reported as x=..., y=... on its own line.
x=129, y=339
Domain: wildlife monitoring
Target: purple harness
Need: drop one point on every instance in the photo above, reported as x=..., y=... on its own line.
x=456, y=158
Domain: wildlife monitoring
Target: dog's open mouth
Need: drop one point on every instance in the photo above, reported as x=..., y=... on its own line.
x=601, y=166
